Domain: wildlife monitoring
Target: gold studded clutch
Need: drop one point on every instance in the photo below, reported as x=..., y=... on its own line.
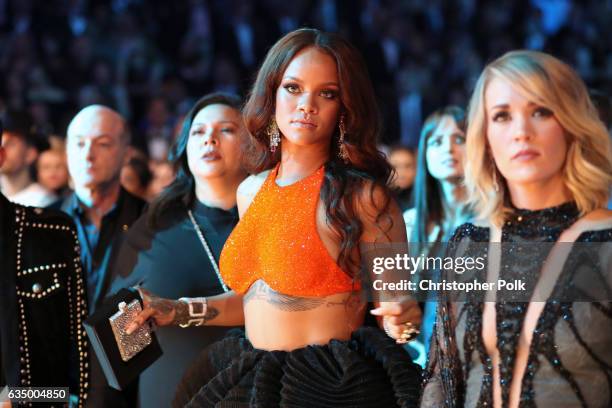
x=129, y=344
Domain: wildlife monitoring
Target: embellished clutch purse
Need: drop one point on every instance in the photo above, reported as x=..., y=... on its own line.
x=122, y=357
x=129, y=344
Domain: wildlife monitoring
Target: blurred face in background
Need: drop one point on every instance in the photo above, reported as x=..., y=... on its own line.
x=404, y=163
x=131, y=182
x=213, y=147
x=2, y=155
x=96, y=147
x=52, y=170
x=446, y=151
x=163, y=175
x=18, y=155
x=136, y=175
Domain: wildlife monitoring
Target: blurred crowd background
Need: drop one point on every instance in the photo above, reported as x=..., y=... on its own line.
x=151, y=59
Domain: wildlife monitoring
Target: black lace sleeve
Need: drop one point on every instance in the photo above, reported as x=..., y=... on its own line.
x=443, y=381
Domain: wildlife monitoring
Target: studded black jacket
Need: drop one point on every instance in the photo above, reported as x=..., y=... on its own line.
x=42, y=301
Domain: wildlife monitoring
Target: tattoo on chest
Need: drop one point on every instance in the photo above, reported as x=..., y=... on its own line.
x=261, y=291
x=352, y=302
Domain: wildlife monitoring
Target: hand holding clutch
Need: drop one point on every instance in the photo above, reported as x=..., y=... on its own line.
x=184, y=312
x=122, y=356
x=129, y=344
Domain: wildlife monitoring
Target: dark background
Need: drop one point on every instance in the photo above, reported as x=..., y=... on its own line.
x=151, y=59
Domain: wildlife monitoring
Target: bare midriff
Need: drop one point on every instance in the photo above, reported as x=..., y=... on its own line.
x=280, y=324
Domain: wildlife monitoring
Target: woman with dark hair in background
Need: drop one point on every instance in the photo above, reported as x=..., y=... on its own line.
x=293, y=260
x=52, y=171
x=136, y=176
x=403, y=161
x=439, y=206
x=166, y=248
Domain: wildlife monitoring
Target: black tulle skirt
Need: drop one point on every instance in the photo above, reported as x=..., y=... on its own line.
x=369, y=370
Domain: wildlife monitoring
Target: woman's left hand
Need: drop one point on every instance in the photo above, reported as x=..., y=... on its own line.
x=401, y=320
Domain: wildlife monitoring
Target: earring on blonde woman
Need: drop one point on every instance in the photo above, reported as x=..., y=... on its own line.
x=495, y=183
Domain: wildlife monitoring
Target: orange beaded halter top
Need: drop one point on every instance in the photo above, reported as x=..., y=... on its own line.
x=277, y=241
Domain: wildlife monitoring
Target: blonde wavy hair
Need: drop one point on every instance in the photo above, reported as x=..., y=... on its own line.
x=547, y=81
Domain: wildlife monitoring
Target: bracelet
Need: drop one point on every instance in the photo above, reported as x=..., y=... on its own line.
x=197, y=311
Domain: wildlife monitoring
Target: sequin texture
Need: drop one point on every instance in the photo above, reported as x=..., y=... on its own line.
x=277, y=241
x=570, y=359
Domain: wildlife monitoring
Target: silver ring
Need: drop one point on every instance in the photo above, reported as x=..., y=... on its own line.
x=386, y=327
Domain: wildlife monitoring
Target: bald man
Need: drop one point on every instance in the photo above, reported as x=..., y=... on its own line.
x=96, y=145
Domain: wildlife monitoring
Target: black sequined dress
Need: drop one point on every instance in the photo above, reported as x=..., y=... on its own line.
x=570, y=357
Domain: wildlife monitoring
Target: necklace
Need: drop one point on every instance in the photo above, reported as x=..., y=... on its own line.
x=208, y=251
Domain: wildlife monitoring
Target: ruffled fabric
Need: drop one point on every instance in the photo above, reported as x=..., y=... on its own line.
x=369, y=370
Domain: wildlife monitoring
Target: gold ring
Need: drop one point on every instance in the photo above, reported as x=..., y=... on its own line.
x=409, y=333
x=411, y=328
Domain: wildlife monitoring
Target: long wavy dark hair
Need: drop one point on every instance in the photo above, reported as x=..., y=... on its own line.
x=343, y=181
x=181, y=192
x=426, y=193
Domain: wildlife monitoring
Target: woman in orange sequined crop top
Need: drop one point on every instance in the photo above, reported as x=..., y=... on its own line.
x=319, y=191
x=251, y=252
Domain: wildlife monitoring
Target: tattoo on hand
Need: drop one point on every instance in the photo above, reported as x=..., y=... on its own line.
x=181, y=315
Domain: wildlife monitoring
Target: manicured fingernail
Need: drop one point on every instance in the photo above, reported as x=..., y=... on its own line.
x=376, y=312
x=131, y=327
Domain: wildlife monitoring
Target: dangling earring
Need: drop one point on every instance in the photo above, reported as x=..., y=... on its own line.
x=495, y=184
x=274, y=135
x=342, y=150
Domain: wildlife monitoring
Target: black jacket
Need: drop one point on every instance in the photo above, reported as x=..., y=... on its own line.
x=113, y=229
x=42, y=301
x=112, y=232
